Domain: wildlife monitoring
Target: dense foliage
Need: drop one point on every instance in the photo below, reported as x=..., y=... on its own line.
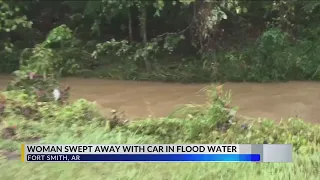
x=175, y=40
x=178, y=40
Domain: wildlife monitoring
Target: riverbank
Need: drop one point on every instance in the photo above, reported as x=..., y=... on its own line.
x=208, y=123
x=83, y=122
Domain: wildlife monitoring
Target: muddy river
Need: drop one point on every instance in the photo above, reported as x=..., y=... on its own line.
x=141, y=99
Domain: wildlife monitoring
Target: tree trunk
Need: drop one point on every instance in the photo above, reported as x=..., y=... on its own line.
x=143, y=31
x=193, y=27
x=130, y=26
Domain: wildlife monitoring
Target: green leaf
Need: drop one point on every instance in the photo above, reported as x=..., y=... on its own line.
x=187, y=2
x=8, y=49
x=14, y=27
x=155, y=5
x=238, y=10
x=157, y=13
x=224, y=16
x=244, y=9
x=149, y=47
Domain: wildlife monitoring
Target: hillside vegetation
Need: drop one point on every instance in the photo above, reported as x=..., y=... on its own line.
x=177, y=40
x=186, y=41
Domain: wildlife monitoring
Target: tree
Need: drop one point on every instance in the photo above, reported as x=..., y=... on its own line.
x=11, y=20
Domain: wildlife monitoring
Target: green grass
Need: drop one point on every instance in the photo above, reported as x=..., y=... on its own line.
x=303, y=167
x=301, y=170
x=160, y=171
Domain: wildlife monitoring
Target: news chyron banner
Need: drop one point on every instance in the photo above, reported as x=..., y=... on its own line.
x=157, y=153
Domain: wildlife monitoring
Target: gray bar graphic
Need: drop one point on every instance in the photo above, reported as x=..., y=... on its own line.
x=245, y=148
x=257, y=149
x=277, y=153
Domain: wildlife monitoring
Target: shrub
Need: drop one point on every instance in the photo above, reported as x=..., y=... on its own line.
x=213, y=123
x=34, y=119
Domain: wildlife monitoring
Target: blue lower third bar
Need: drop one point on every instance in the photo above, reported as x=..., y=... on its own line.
x=144, y=157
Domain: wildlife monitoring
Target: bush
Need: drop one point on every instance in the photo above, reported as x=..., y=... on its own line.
x=273, y=57
x=214, y=124
x=34, y=119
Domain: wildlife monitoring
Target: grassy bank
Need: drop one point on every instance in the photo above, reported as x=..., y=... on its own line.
x=304, y=166
x=81, y=123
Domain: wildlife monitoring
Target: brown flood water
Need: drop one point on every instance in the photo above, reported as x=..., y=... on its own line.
x=141, y=99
